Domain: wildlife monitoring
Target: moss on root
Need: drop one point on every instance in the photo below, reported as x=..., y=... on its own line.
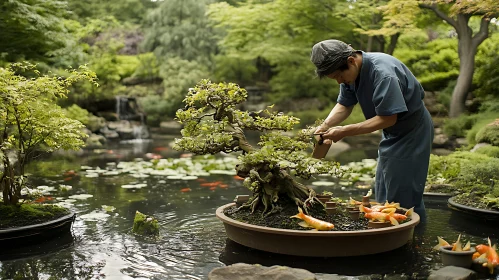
x=145, y=225
x=29, y=214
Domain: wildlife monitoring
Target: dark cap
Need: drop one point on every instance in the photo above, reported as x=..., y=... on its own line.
x=329, y=55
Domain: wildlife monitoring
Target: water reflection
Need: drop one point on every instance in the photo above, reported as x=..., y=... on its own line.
x=192, y=240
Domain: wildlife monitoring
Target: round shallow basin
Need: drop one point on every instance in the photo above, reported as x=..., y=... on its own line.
x=318, y=243
x=473, y=212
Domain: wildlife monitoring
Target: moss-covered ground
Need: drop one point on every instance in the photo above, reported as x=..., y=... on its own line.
x=29, y=214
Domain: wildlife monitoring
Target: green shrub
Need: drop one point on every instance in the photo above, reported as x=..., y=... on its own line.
x=483, y=119
x=439, y=80
x=489, y=134
x=491, y=151
x=75, y=112
x=458, y=126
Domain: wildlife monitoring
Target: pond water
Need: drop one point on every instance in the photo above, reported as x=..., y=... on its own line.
x=193, y=240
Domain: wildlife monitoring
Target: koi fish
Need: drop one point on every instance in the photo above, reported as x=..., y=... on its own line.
x=441, y=243
x=380, y=216
x=211, y=184
x=185, y=190
x=354, y=202
x=43, y=199
x=311, y=222
x=489, y=252
x=159, y=149
x=238, y=177
x=458, y=247
x=153, y=156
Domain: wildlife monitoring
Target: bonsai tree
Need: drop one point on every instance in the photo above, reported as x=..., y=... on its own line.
x=213, y=124
x=32, y=123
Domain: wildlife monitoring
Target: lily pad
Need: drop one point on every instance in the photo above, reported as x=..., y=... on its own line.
x=94, y=216
x=81, y=196
x=136, y=186
x=108, y=208
x=223, y=172
x=323, y=183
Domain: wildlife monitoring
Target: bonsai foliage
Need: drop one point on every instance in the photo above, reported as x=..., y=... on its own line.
x=213, y=124
x=31, y=122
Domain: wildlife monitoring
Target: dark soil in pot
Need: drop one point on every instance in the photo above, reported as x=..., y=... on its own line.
x=281, y=219
x=473, y=200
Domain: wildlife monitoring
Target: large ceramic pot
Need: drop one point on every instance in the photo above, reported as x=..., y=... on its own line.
x=318, y=243
x=36, y=232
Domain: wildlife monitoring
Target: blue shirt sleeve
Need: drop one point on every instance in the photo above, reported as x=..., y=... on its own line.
x=347, y=96
x=388, y=98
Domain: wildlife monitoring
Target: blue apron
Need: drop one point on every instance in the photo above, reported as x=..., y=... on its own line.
x=385, y=87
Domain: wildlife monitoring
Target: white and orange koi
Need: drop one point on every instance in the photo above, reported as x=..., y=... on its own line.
x=388, y=214
x=490, y=254
x=380, y=216
x=441, y=243
x=311, y=222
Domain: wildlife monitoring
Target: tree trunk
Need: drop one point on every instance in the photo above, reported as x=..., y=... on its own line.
x=460, y=92
x=393, y=42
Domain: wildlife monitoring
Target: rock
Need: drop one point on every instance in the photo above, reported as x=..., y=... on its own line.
x=240, y=271
x=478, y=146
x=452, y=273
x=441, y=152
x=96, y=123
x=170, y=127
x=95, y=141
x=336, y=149
x=461, y=141
x=440, y=140
x=109, y=134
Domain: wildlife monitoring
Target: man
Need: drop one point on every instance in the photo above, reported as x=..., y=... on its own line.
x=392, y=100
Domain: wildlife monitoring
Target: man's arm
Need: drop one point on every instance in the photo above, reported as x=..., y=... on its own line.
x=338, y=114
x=367, y=126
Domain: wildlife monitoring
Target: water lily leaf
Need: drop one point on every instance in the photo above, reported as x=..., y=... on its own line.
x=81, y=196
x=323, y=183
x=175, y=177
x=223, y=172
x=94, y=216
x=65, y=187
x=136, y=186
x=108, y=208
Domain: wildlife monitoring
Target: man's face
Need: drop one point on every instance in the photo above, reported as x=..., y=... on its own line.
x=347, y=76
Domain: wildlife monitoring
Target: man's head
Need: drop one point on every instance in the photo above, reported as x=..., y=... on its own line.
x=336, y=60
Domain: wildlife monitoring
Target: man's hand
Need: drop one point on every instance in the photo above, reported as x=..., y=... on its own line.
x=334, y=134
x=319, y=134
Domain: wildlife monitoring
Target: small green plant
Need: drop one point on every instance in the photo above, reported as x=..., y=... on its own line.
x=213, y=124
x=31, y=121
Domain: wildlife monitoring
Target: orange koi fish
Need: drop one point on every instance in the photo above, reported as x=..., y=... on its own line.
x=43, y=199
x=238, y=177
x=490, y=254
x=185, y=190
x=311, y=222
x=159, y=149
x=211, y=184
